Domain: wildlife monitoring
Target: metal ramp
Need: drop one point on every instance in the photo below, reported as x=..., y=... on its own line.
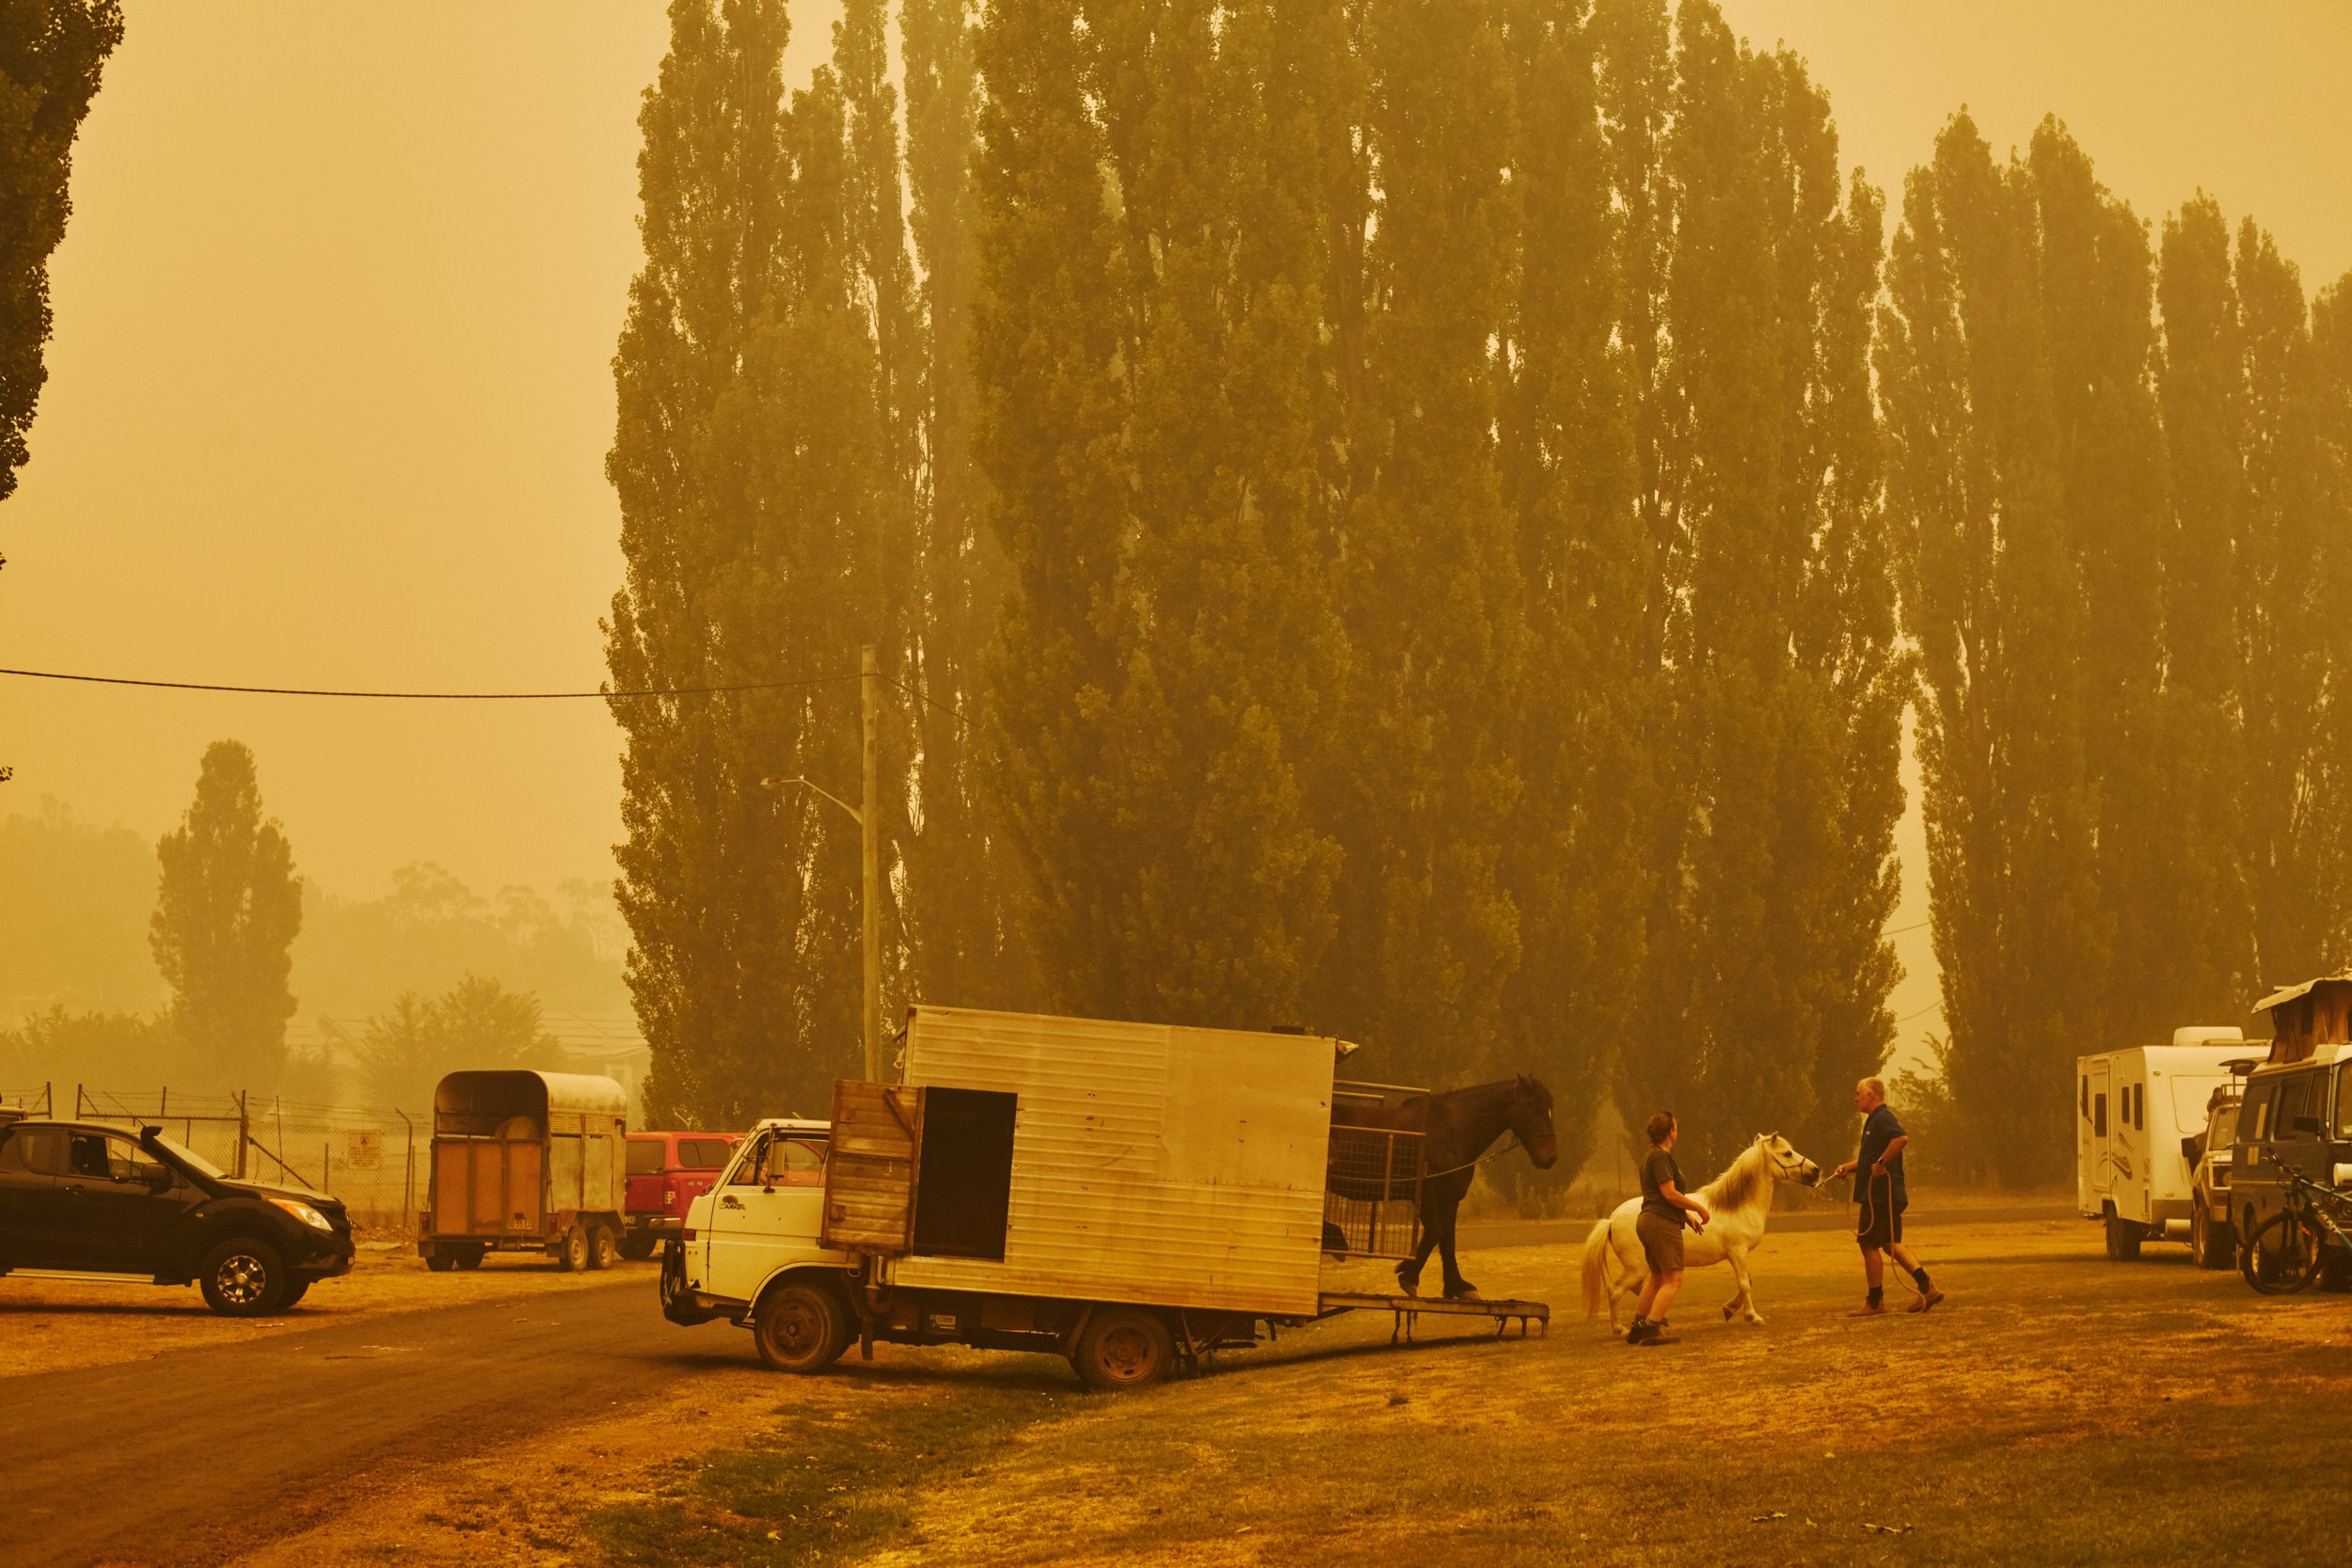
x=1407, y=1309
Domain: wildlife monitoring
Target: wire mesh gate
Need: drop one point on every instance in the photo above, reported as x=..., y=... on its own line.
x=1373, y=1177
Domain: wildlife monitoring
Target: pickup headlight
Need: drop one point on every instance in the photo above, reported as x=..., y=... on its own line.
x=304, y=1212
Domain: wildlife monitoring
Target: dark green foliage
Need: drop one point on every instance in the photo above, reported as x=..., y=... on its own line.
x=227, y=908
x=73, y=921
x=52, y=53
x=1775, y=747
x=64, y=1050
x=762, y=464
x=479, y=1024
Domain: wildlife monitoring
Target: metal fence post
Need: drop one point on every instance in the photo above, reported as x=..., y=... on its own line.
x=407, y=1168
x=245, y=1132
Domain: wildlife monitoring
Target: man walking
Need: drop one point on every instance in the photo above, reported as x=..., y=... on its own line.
x=1878, y=1190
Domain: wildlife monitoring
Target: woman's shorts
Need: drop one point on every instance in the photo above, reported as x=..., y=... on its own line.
x=1661, y=1241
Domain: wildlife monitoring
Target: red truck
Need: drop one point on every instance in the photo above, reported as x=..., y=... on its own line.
x=666, y=1172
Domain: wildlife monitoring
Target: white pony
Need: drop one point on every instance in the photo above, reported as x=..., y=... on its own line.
x=1738, y=1200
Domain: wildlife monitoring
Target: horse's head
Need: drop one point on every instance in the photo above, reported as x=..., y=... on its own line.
x=1531, y=1121
x=1788, y=1164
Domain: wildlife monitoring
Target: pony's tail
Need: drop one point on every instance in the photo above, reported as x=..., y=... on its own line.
x=1595, y=1265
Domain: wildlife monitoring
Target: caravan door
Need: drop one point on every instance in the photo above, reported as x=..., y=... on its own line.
x=2102, y=1135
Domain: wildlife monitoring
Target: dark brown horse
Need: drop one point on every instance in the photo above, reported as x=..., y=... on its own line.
x=1460, y=1126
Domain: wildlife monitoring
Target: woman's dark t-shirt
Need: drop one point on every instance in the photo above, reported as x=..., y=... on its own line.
x=1657, y=1170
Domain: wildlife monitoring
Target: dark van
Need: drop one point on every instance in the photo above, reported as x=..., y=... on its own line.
x=2296, y=1117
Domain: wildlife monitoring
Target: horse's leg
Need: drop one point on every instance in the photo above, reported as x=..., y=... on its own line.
x=1408, y=1272
x=1745, y=1297
x=1454, y=1284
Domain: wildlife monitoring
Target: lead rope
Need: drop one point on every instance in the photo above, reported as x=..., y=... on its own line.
x=1491, y=1154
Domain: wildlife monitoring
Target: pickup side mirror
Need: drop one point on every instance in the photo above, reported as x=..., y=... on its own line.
x=157, y=1179
x=2188, y=1149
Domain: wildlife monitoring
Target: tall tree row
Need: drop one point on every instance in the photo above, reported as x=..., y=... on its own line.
x=2115, y=554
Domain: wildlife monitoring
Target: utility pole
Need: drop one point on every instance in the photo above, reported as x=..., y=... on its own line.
x=870, y=826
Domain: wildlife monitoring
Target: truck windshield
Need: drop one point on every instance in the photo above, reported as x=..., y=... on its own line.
x=2344, y=1111
x=2223, y=1133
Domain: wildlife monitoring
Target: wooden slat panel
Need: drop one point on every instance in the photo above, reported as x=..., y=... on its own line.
x=869, y=1175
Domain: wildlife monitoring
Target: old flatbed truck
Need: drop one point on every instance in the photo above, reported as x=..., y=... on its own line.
x=1131, y=1196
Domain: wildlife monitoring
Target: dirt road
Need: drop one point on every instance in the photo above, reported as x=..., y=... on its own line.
x=193, y=1455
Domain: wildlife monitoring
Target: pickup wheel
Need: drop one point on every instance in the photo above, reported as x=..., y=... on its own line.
x=2210, y=1241
x=243, y=1277
x=603, y=1251
x=571, y=1253
x=637, y=1246
x=293, y=1293
x=801, y=1328
x=1123, y=1347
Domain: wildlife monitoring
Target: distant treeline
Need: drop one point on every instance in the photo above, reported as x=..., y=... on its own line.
x=1424, y=521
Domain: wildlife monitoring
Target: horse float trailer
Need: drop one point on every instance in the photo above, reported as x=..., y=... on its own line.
x=1131, y=1196
x=526, y=1162
x=2135, y=1113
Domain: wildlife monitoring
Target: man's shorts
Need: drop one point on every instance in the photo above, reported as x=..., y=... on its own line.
x=1877, y=1219
x=1661, y=1241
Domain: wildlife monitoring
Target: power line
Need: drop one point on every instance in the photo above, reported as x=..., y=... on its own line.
x=1921, y=1013
x=434, y=696
x=1915, y=926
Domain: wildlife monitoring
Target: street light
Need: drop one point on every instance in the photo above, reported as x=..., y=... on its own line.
x=868, y=818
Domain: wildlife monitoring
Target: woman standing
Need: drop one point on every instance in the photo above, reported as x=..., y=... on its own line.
x=1665, y=1210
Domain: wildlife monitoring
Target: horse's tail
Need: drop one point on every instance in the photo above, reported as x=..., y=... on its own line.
x=1595, y=1267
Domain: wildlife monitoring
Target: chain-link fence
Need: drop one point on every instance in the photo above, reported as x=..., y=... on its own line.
x=374, y=1161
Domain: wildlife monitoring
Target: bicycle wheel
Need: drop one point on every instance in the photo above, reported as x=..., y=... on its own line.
x=2282, y=1255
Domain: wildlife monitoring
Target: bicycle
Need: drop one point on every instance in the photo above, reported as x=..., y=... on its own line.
x=2286, y=1251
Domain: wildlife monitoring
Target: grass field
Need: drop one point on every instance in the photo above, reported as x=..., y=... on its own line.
x=2057, y=1408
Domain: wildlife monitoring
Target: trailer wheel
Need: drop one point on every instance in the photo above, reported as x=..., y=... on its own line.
x=571, y=1253
x=471, y=1256
x=800, y=1328
x=440, y=1262
x=602, y=1251
x=1123, y=1347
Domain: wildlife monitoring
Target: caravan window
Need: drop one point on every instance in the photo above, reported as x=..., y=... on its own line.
x=2098, y=1115
x=2140, y=1105
x=2085, y=1097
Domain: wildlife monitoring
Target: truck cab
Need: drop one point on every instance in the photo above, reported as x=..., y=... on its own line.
x=760, y=1222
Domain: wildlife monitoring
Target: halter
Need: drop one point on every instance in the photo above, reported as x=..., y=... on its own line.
x=1779, y=1169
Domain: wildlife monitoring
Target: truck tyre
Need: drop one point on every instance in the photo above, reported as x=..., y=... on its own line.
x=637, y=1246
x=441, y=1260
x=571, y=1251
x=801, y=1328
x=2210, y=1241
x=673, y=1274
x=1123, y=1347
x=243, y=1277
x=2122, y=1239
x=602, y=1251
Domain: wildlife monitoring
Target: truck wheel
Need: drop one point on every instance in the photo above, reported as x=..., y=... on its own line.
x=800, y=1328
x=637, y=1246
x=2209, y=1241
x=440, y=1262
x=2122, y=1239
x=1123, y=1347
x=243, y=1277
x=602, y=1251
x=673, y=1274
x=571, y=1253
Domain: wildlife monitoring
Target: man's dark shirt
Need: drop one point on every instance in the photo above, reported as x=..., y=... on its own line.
x=1879, y=1129
x=1658, y=1169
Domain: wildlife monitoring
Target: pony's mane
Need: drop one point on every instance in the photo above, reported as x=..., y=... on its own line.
x=1740, y=1179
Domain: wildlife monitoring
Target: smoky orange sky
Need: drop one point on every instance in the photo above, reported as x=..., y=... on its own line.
x=329, y=390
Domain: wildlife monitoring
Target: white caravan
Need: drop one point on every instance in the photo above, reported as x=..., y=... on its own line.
x=2133, y=1111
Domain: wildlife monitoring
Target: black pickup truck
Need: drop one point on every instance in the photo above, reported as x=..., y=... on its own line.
x=86, y=1198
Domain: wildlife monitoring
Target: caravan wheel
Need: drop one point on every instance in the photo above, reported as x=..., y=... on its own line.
x=2122, y=1239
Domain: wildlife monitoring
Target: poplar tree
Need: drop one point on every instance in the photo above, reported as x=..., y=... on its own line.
x=1431, y=596
x=2005, y=415
x=965, y=946
x=764, y=496
x=1576, y=872
x=228, y=906
x=1777, y=752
